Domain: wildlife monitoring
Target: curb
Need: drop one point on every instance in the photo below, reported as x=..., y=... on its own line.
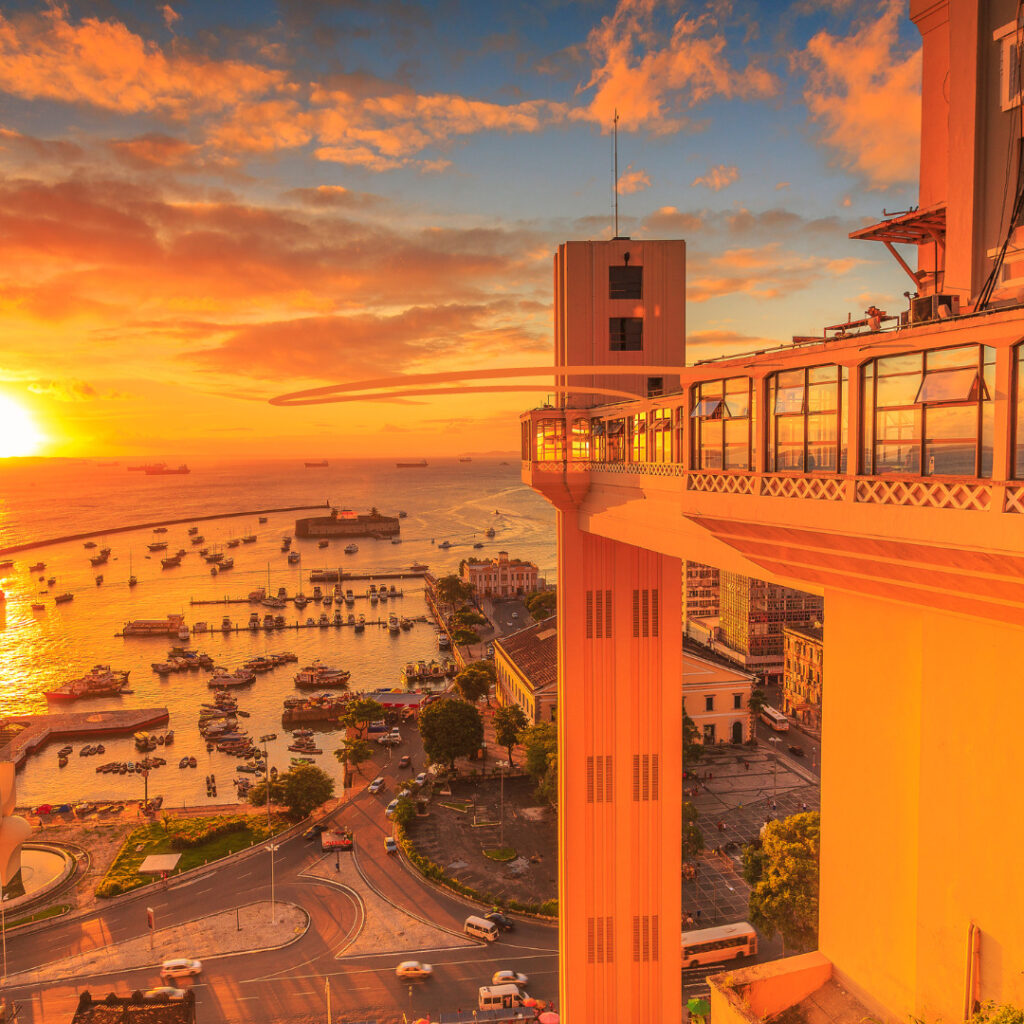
x=207, y=956
x=357, y=927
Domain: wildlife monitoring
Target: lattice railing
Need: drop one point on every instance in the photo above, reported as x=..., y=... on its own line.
x=818, y=488
x=642, y=468
x=721, y=483
x=963, y=496
x=1014, y=499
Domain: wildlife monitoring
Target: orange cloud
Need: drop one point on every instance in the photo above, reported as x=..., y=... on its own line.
x=863, y=91
x=154, y=150
x=647, y=78
x=633, y=181
x=103, y=63
x=718, y=177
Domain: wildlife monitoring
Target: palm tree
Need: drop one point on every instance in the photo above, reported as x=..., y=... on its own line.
x=755, y=703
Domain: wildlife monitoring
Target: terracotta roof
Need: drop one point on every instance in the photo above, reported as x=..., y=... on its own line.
x=534, y=652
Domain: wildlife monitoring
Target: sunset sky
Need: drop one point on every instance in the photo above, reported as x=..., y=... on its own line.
x=205, y=204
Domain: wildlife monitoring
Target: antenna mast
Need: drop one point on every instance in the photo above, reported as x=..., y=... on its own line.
x=615, y=173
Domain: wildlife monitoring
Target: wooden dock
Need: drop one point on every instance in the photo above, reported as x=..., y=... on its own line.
x=245, y=628
x=21, y=735
x=339, y=575
x=245, y=600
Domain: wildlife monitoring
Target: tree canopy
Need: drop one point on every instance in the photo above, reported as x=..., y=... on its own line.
x=452, y=590
x=693, y=838
x=693, y=749
x=542, y=605
x=509, y=722
x=301, y=789
x=473, y=684
x=451, y=729
x=540, y=743
x=361, y=712
x=784, y=899
x=352, y=753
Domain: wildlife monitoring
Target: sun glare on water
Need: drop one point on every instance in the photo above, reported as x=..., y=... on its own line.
x=19, y=434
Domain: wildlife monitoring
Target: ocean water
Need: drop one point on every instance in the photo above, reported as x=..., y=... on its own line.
x=448, y=500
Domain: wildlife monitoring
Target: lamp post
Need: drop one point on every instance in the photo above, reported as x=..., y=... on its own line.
x=267, y=738
x=775, y=741
x=272, y=847
x=3, y=932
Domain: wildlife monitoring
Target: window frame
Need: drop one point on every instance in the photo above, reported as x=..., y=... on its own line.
x=619, y=339
x=712, y=413
x=807, y=416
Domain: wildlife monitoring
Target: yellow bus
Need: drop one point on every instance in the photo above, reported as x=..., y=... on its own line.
x=775, y=718
x=716, y=945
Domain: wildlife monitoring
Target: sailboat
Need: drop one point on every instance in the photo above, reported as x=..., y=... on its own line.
x=132, y=579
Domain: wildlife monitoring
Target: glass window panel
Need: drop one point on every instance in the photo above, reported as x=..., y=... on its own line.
x=867, y=419
x=737, y=406
x=949, y=386
x=737, y=386
x=789, y=400
x=821, y=374
x=821, y=458
x=737, y=444
x=897, y=390
x=823, y=397
x=790, y=458
x=708, y=408
x=711, y=455
x=614, y=427
x=897, y=424
x=790, y=378
x=911, y=362
x=952, y=422
x=987, y=431
x=898, y=458
x=1020, y=412
x=711, y=389
x=950, y=458
x=791, y=429
x=822, y=427
x=948, y=358
x=844, y=416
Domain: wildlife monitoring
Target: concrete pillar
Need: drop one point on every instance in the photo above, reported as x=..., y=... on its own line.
x=620, y=781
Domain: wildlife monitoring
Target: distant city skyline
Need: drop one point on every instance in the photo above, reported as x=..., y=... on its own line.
x=204, y=206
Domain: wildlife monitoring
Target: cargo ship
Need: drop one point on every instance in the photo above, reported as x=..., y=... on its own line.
x=412, y=465
x=99, y=681
x=316, y=465
x=171, y=626
x=162, y=469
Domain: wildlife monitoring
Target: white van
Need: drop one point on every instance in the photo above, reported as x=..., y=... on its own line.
x=481, y=928
x=499, y=997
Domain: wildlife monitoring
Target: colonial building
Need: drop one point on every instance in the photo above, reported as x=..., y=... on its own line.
x=804, y=650
x=526, y=665
x=752, y=618
x=501, y=576
x=715, y=696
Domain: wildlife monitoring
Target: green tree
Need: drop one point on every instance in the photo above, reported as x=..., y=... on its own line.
x=509, y=722
x=258, y=792
x=543, y=604
x=693, y=749
x=451, y=590
x=465, y=636
x=487, y=667
x=473, y=684
x=360, y=713
x=693, y=838
x=404, y=812
x=990, y=1013
x=352, y=753
x=755, y=704
x=451, y=729
x=785, y=898
x=540, y=743
x=753, y=862
x=306, y=786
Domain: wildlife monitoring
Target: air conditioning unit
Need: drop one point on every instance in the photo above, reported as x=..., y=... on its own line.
x=934, y=307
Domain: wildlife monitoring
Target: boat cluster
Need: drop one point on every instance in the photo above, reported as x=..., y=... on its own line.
x=416, y=672
x=218, y=723
x=182, y=659
x=130, y=767
x=145, y=741
x=321, y=677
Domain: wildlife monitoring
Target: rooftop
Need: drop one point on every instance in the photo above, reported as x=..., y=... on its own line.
x=534, y=651
x=122, y=1010
x=816, y=633
x=702, y=667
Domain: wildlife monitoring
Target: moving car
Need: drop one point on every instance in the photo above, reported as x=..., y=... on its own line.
x=314, y=830
x=796, y=751
x=389, y=811
x=377, y=785
x=390, y=846
x=508, y=978
x=165, y=993
x=506, y=924
x=405, y=761
x=421, y=779
x=413, y=970
x=181, y=968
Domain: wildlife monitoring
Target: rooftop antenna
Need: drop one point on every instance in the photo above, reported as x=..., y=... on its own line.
x=615, y=165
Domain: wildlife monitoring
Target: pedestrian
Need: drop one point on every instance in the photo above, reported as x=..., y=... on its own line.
x=698, y=915
x=803, y=806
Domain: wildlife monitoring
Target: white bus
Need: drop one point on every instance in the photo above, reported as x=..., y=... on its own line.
x=715, y=945
x=776, y=719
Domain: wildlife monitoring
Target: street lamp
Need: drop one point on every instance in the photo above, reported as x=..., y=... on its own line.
x=269, y=737
x=272, y=847
x=775, y=772
x=3, y=932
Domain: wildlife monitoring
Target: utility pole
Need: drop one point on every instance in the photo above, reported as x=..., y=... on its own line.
x=272, y=847
x=775, y=741
x=501, y=840
x=266, y=766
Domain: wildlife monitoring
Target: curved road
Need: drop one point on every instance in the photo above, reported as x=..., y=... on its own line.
x=289, y=983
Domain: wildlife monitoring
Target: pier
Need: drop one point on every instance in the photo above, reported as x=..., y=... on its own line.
x=339, y=575
x=21, y=735
x=245, y=600
x=316, y=624
x=13, y=548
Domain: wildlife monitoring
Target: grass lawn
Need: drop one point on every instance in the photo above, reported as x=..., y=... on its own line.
x=226, y=835
x=461, y=808
x=41, y=915
x=501, y=854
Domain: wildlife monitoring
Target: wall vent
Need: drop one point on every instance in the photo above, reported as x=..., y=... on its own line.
x=645, y=777
x=599, y=779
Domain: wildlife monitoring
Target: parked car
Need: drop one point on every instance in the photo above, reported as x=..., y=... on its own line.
x=421, y=779
x=413, y=970
x=377, y=785
x=404, y=761
x=182, y=967
x=796, y=751
x=506, y=924
x=165, y=993
x=391, y=808
x=390, y=846
x=314, y=830
x=508, y=978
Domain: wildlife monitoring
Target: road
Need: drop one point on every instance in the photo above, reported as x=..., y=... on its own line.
x=289, y=983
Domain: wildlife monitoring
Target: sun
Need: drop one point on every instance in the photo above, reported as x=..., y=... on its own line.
x=19, y=434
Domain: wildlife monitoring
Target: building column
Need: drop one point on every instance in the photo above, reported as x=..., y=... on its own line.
x=619, y=780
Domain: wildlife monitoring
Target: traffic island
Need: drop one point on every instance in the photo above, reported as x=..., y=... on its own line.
x=254, y=927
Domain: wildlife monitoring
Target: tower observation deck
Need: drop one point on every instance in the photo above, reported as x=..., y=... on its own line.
x=881, y=466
